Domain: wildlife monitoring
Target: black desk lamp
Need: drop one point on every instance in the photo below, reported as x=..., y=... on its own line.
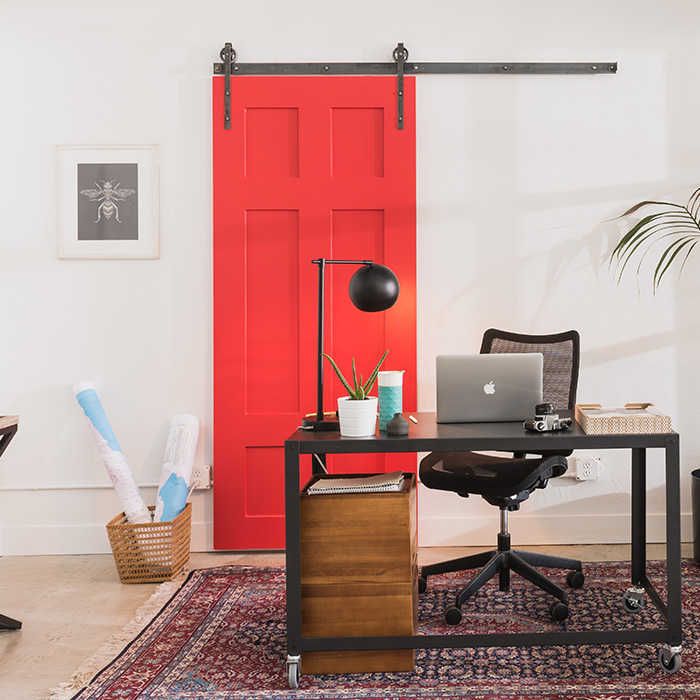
x=373, y=287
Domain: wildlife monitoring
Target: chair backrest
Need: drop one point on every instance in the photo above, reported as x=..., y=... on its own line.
x=561, y=360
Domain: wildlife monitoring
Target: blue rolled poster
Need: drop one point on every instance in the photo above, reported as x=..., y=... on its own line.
x=135, y=508
x=178, y=461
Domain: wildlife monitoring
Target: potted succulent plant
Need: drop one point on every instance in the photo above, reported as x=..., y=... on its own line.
x=357, y=412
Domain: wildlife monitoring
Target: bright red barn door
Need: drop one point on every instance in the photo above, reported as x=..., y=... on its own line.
x=311, y=167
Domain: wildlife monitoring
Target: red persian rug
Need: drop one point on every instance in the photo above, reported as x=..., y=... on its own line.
x=222, y=637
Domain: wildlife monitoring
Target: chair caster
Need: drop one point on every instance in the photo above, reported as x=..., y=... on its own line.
x=453, y=615
x=559, y=611
x=422, y=584
x=670, y=658
x=633, y=600
x=575, y=579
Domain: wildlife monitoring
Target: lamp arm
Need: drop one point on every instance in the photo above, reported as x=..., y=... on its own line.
x=324, y=261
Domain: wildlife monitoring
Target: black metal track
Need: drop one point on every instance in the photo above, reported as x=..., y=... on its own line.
x=600, y=68
x=400, y=67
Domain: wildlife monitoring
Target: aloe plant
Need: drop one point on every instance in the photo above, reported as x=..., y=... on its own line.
x=677, y=225
x=358, y=390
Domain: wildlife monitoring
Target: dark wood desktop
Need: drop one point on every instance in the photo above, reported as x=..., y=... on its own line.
x=429, y=436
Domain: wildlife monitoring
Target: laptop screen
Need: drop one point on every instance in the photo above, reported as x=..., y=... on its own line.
x=488, y=388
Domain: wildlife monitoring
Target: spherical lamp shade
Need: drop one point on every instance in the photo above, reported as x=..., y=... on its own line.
x=374, y=288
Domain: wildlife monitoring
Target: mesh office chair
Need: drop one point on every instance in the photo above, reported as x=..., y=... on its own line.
x=506, y=482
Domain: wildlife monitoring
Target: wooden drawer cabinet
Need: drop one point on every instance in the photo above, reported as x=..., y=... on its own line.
x=359, y=575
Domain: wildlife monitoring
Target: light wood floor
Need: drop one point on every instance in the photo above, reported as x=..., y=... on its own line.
x=71, y=605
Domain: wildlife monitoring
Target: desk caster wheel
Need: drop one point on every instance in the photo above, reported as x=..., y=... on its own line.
x=293, y=663
x=559, y=611
x=633, y=600
x=669, y=659
x=575, y=579
x=422, y=584
x=453, y=615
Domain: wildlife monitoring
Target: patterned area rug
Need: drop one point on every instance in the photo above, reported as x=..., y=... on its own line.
x=222, y=637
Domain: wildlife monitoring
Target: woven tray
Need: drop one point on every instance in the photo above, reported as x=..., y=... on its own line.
x=632, y=418
x=150, y=552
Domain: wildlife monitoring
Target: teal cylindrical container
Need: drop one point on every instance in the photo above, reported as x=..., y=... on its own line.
x=390, y=391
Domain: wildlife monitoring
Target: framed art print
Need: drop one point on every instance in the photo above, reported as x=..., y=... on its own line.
x=108, y=202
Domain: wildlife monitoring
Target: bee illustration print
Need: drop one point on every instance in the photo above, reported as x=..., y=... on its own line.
x=107, y=194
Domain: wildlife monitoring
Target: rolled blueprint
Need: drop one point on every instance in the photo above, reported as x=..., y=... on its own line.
x=135, y=508
x=176, y=473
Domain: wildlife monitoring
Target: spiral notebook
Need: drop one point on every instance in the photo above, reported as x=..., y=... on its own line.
x=378, y=483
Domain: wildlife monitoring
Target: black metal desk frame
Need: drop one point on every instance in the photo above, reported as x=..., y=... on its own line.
x=6, y=434
x=429, y=436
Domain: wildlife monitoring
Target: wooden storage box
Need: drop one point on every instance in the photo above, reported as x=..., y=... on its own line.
x=359, y=575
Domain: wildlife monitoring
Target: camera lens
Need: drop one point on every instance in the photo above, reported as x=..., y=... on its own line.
x=544, y=408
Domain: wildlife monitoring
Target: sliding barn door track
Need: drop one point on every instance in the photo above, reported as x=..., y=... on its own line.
x=399, y=67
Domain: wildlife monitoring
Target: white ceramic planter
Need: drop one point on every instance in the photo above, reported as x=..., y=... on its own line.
x=357, y=418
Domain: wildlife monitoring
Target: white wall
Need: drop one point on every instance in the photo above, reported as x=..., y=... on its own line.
x=517, y=176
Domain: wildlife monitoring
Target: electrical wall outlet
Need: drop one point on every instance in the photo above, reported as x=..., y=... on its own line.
x=588, y=468
x=201, y=477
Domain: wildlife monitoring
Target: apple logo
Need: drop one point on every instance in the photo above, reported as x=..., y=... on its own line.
x=489, y=388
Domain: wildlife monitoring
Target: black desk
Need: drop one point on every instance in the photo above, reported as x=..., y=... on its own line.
x=7, y=432
x=429, y=436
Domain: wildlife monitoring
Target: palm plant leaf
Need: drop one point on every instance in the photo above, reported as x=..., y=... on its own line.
x=694, y=203
x=677, y=226
x=670, y=254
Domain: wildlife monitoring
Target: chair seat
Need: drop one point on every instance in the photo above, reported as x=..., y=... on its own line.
x=489, y=476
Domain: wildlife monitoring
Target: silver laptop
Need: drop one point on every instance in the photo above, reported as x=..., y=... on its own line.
x=488, y=388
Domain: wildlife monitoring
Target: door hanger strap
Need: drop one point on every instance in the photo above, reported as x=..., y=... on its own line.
x=228, y=56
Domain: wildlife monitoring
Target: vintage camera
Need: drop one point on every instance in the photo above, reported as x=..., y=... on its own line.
x=545, y=419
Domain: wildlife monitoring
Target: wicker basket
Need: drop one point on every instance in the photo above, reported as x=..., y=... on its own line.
x=150, y=552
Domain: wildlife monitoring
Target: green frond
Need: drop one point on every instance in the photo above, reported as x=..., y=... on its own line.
x=694, y=203
x=677, y=228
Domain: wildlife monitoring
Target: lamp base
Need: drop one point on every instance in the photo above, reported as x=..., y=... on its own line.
x=329, y=422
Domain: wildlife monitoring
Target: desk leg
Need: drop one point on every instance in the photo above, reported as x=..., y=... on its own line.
x=673, y=540
x=5, y=437
x=293, y=559
x=639, y=516
x=8, y=623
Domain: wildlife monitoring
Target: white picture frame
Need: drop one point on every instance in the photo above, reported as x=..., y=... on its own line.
x=108, y=202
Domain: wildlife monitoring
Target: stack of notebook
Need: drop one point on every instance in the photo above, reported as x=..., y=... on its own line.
x=376, y=483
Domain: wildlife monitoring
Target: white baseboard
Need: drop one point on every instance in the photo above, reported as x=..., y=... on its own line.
x=78, y=539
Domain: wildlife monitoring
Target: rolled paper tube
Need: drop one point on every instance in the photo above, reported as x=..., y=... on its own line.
x=176, y=473
x=135, y=508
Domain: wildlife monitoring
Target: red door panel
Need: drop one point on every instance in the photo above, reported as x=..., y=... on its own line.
x=311, y=167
